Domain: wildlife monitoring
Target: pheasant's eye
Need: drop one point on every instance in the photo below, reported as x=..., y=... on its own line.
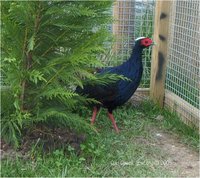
x=146, y=42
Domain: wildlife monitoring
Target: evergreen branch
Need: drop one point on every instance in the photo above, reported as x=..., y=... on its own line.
x=58, y=93
x=37, y=21
x=58, y=113
x=54, y=76
x=24, y=43
x=53, y=45
x=22, y=95
x=23, y=83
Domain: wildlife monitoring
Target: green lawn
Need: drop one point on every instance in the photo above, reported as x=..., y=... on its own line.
x=109, y=154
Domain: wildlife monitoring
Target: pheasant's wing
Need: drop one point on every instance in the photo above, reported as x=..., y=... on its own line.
x=102, y=93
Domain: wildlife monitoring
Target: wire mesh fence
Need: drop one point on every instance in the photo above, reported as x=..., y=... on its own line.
x=132, y=19
x=183, y=69
x=183, y=66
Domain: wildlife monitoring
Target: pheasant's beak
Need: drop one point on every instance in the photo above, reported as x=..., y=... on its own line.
x=154, y=43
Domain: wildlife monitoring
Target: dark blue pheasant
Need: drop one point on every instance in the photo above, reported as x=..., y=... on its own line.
x=116, y=94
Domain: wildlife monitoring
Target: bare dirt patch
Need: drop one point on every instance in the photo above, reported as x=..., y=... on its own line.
x=48, y=138
x=180, y=159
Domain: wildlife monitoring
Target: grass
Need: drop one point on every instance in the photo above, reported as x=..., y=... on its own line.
x=109, y=154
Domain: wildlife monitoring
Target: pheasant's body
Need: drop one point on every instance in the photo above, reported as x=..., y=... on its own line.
x=118, y=93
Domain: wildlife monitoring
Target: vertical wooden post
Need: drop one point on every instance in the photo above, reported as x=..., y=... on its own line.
x=159, y=54
x=116, y=25
x=115, y=15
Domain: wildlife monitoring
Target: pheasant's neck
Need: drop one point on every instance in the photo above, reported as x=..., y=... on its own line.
x=136, y=56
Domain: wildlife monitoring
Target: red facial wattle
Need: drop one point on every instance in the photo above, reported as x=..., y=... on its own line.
x=146, y=42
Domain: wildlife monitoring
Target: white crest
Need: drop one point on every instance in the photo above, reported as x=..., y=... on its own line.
x=139, y=38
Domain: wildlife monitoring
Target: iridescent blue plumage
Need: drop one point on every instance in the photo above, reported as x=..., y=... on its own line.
x=117, y=94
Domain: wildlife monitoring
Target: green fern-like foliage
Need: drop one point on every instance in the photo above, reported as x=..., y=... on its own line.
x=48, y=48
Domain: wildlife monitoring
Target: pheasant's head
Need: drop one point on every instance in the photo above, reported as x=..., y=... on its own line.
x=144, y=42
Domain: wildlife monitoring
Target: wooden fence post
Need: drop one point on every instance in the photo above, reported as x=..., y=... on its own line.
x=159, y=54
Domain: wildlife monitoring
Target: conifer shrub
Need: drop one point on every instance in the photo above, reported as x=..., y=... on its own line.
x=48, y=48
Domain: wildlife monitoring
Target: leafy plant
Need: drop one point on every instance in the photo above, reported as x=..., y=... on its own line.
x=48, y=48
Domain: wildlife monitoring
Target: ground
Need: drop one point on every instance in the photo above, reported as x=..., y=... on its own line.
x=151, y=143
x=180, y=159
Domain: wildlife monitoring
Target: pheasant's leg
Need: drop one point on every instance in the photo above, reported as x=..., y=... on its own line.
x=111, y=117
x=95, y=111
